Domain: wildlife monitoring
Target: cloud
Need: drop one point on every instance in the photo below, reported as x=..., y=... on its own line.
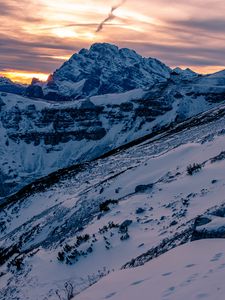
x=185, y=32
x=38, y=55
x=207, y=25
x=110, y=17
x=15, y=10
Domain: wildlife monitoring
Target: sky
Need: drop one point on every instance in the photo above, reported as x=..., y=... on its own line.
x=37, y=36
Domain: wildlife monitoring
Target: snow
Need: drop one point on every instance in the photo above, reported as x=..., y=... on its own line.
x=27, y=154
x=51, y=221
x=23, y=162
x=119, y=98
x=193, y=271
x=48, y=220
x=216, y=224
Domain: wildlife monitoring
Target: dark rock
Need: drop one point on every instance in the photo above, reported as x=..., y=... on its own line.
x=55, y=96
x=214, y=181
x=105, y=206
x=62, y=121
x=203, y=232
x=123, y=228
x=125, y=236
x=173, y=223
x=126, y=107
x=209, y=234
x=11, y=118
x=140, y=210
x=144, y=188
x=143, y=112
x=2, y=103
x=34, y=91
x=201, y=220
x=178, y=95
x=219, y=157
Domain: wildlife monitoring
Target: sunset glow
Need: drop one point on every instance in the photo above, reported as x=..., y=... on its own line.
x=36, y=36
x=23, y=77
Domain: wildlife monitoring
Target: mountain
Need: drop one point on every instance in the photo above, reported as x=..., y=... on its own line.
x=8, y=86
x=117, y=192
x=103, y=69
x=186, y=74
x=65, y=232
x=40, y=136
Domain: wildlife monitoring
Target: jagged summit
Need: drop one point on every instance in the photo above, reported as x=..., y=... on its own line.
x=102, y=69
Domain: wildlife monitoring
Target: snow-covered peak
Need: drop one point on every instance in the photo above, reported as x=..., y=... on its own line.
x=186, y=74
x=103, y=69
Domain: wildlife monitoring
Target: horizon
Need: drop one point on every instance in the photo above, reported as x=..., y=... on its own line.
x=25, y=77
x=185, y=34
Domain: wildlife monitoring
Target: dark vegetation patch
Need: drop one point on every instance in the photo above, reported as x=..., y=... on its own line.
x=105, y=206
x=194, y=168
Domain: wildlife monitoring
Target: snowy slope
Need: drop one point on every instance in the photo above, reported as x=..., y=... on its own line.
x=39, y=137
x=64, y=237
x=192, y=271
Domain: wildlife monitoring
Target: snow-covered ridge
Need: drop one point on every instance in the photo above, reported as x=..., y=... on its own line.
x=43, y=133
x=114, y=210
x=41, y=136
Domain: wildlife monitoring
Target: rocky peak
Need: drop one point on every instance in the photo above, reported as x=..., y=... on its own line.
x=103, y=69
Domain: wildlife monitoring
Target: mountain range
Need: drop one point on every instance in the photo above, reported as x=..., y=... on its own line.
x=42, y=135
x=113, y=161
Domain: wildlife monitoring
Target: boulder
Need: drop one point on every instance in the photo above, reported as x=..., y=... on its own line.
x=144, y=188
x=123, y=228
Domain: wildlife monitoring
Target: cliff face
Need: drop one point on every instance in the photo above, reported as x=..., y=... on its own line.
x=39, y=137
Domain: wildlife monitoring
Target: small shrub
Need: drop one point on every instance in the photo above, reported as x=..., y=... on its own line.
x=105, y=228
x=67, y=248
x=74, y=255
x=191, y=169
x=112, y=225
x=17, y=263
x=82, y=239
x=61, y=256
x=104, y=206
x=123, y=228
x=125, y=236
x=67, y=293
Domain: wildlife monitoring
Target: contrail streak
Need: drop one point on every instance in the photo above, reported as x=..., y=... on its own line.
x=110, y=17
